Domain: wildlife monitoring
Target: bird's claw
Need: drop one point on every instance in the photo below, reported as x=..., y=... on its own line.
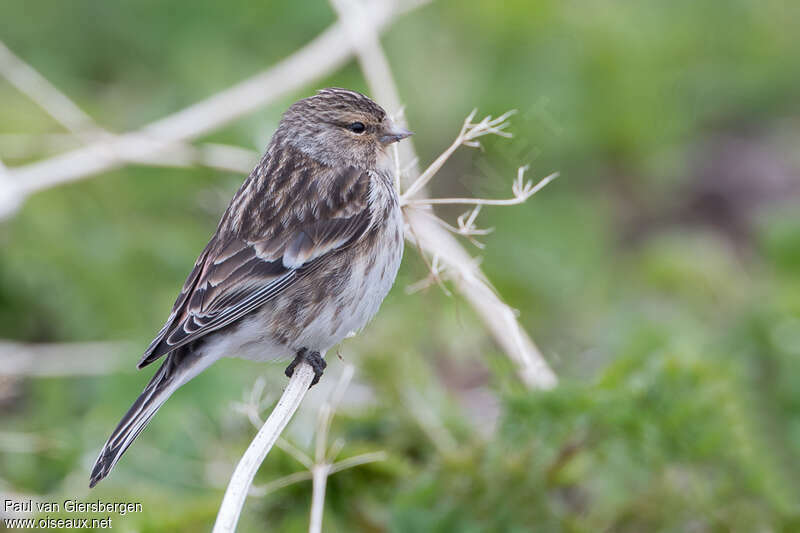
x=314, y=359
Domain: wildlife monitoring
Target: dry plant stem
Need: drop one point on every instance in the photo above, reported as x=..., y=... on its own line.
x=28, y=81
x=305, y=475
x=251, y=408
x=518, y=199
x=533, y=370
x=425, y=177
x=242, y=478
x=466, y=137
x=291, y=479
x=322, y=463
x=433, y=268
x=466, y=225
x=364, y=38
x=59, y=106
x=320, y=482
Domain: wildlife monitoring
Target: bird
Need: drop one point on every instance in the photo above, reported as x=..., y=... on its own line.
x=302, y=257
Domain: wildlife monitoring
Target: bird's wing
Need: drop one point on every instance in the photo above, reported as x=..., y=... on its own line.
x=236, y=274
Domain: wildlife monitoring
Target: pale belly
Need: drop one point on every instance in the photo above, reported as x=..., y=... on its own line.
x=321, y=309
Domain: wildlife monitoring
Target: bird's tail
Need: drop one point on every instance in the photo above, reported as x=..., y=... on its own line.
x=179, y=367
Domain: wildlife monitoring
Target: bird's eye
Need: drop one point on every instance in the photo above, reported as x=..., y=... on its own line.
x=357, y=127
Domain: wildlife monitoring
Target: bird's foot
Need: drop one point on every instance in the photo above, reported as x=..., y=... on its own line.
x=312, y=358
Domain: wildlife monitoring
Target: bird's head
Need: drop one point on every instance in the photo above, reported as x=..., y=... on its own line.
x=340, y=127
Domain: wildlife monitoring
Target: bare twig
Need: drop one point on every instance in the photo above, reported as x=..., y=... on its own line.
x=466, y=224
x=466, y=274
x=28, y=81
x=522, y=192
x=358, y=460
x=435, y=275
x=501, y=319
x=363, y=37
x=285, y=481
x=72, y=117
x=305, y=475
x=146, y=150
x=466, y=137
x=8, y=200
x=322, y=465
x=322, y=456
x=256, y=401
x=432, y=270
x=319, y=480
x=242, y=478
x=295, y=452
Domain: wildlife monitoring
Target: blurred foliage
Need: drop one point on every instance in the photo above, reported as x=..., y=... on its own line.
x=660, y=275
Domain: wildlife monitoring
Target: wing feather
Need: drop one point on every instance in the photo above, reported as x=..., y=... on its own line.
x=237, y=274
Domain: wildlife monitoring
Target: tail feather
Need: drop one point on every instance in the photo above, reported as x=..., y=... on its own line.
x=178, y=368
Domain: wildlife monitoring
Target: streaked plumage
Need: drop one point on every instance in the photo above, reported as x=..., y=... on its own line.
x=304, y=254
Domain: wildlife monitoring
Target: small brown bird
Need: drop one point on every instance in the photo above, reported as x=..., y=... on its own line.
x=304, y=255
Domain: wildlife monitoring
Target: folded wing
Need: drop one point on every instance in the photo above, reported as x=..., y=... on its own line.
x=236, y=275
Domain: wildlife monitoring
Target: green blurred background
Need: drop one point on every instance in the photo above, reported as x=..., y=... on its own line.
x=660, y=275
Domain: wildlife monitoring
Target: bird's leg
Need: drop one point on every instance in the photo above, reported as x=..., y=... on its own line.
x=312, y=358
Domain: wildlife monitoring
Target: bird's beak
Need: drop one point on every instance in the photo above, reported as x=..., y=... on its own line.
x=394, y=133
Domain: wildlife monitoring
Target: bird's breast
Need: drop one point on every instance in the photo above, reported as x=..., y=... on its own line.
x=333, y=301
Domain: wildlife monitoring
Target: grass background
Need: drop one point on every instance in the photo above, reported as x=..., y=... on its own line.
x=659, y=274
